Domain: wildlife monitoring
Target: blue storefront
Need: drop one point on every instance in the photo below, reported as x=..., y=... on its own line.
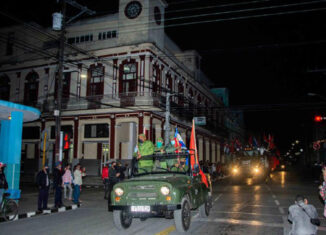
x=12, y=117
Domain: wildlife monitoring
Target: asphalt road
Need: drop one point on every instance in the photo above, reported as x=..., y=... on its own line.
x=238, y=209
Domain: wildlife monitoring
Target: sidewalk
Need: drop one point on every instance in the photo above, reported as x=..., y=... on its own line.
x=29, y=197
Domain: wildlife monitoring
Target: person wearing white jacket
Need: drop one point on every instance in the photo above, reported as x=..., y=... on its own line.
x=78, y=181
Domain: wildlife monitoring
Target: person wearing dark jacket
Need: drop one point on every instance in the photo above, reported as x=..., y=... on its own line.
x=3, y=181
x=113, y=178
x=57, y=185
x=43, y=184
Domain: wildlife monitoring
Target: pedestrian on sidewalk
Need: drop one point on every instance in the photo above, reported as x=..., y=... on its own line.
x=67, y=181
x=57, y=184
x=322, y=189
x=43, y=183
x=78, y=181
x=105, y=178
x=302, y=216
x=3, y=181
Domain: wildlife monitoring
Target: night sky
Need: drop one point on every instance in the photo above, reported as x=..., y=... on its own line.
x=266, y=52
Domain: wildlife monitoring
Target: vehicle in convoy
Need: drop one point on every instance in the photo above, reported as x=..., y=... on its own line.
x=246, y=166
x=162, y=185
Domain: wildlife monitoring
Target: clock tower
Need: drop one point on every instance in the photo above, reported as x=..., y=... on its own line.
x=141, y=21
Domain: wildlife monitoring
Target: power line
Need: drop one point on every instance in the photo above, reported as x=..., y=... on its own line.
x=218, y=20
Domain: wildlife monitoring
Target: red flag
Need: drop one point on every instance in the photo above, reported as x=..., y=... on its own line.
x=194, y=155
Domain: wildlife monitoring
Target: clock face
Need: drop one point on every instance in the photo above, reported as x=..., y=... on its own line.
x=133, y=9
x=157, y=15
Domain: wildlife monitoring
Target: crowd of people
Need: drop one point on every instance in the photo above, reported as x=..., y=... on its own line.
x=63, y=178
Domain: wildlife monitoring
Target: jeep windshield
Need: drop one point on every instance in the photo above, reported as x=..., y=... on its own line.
x=162, y=163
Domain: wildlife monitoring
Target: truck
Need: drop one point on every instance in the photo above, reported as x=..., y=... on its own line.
x=247, y=165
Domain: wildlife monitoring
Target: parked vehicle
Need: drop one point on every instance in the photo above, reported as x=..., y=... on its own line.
x=162, y=185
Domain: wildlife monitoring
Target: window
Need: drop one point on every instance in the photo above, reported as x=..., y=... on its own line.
x=65, y=85
x=86, y=38
x=31, y=132
x=31, y=88
x=128, y=76
x=96, y=131
x=4, y=87
x=82, y=38
x=66, y=129
x=107, y=35
x=95, y=80
x=71, y=40
x=10, y=43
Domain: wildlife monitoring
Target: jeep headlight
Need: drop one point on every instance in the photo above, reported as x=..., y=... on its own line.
x=118, y=191
x=165, y=190
x=256, y=170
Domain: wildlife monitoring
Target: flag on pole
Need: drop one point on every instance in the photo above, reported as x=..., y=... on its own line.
x=178, y=140
x=194, y=155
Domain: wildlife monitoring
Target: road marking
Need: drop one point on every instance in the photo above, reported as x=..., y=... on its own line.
x=245, y=213
x=274, y=196
x=281, y=210
x=277, y=202
x=218, y=197
x=166, y=231
x=242, y=222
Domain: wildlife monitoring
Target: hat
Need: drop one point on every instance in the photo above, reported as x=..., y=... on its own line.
x=159, y=139
x=171, y=137
x=57, y=163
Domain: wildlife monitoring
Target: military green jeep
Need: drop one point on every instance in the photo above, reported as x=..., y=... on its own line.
x=162, y=185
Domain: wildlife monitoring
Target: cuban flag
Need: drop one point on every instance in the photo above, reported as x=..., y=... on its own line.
x=179, y=140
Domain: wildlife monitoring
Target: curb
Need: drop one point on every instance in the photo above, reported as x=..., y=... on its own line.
x=45, y=212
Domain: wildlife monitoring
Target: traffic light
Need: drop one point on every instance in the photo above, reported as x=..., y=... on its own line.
x=318, y=118
x=66, y=141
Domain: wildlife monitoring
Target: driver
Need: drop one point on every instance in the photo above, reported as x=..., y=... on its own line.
x=3, y=181
x=180, y=165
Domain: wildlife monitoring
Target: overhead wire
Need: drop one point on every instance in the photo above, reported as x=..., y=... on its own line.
x=121, y=31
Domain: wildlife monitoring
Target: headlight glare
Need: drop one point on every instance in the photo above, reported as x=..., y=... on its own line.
x=165, y=190
x=118, y=191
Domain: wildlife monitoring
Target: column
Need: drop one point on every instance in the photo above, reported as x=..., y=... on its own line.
x=112, y=136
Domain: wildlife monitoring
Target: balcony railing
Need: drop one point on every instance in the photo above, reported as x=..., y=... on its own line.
x=184, y=111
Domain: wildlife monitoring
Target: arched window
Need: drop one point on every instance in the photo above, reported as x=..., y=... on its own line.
x=4, y=87
x=95, y=80
x=128, y=76
x=31, y=88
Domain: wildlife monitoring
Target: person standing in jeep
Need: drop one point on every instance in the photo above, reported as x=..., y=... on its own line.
x=3, y=181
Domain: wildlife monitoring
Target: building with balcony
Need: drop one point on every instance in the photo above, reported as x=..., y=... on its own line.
x=118, y=69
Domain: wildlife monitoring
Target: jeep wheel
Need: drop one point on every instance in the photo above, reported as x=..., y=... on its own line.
x=182, y=217
x=122, y=219
x=205, y=208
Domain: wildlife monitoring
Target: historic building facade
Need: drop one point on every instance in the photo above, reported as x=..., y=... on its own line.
x=118, y=70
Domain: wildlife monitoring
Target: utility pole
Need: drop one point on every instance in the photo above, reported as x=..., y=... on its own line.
x=57, y=112
x=62, y=40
